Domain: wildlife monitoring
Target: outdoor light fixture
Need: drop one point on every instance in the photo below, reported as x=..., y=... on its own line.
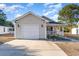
x=18, y=25
x=42, y=25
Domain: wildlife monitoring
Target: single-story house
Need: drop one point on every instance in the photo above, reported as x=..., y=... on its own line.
x=6, y=30
x=75, y=30
x=32, y=26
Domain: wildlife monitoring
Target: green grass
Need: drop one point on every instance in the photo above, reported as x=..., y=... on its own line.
x=53, y=36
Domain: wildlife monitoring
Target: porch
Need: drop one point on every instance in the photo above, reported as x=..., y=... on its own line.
x=55, y=29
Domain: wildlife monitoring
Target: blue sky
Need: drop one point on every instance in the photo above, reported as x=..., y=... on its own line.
x=50, y=10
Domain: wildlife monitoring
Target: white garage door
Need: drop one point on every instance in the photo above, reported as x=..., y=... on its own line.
x=30, y=31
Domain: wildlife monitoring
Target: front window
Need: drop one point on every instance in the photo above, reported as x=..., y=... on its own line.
x=4, y=29
x=49, y=28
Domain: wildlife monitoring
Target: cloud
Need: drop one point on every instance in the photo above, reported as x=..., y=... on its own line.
x=58, y=6
x=55, y=17
x=52, y=10
x=47, y=13
x=13, y=8
x=49, y=5
x=17, y=15
x=10, y=8
x=46, y=4
x=2, y=6
x=12, y=11
x=30, y=4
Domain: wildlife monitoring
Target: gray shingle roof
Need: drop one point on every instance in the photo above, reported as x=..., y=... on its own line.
x=47, y=18
x=50, y=20
x=55, y=22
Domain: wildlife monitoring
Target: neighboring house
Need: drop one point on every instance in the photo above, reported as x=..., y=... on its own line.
x=75, y=30
x=78, y=27
x=31, y=26
x=5, y=30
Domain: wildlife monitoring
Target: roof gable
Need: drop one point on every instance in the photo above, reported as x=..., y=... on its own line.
x=31, y=14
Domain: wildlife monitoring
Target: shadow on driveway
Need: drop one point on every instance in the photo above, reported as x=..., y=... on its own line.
x=10, y=50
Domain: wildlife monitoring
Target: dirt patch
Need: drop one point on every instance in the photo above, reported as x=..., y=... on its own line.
x=6, y=35
x=6, y=38
x=70, y=48
x=71, y=35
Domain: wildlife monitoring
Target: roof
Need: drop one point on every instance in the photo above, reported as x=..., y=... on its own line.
x=50, y=21
x=47, y=18
x=53, y=22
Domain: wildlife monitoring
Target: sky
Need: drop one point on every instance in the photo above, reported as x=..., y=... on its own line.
x=14, y=10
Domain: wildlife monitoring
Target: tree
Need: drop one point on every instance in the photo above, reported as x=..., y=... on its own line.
x=2, y=18
x=9, y=24
x=69, y=15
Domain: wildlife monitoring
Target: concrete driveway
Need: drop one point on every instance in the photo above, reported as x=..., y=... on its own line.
x=30, y=48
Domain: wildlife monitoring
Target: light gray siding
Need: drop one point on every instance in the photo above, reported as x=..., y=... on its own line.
x=29, y=20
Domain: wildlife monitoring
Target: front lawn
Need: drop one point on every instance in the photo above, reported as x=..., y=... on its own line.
x=73, y=36
x=70, y=48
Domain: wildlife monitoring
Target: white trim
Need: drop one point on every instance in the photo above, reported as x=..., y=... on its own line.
x=56, y=24
x=46, y=32
x=14, y=30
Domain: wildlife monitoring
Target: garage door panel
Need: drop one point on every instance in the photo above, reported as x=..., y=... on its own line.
x=30, y=31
